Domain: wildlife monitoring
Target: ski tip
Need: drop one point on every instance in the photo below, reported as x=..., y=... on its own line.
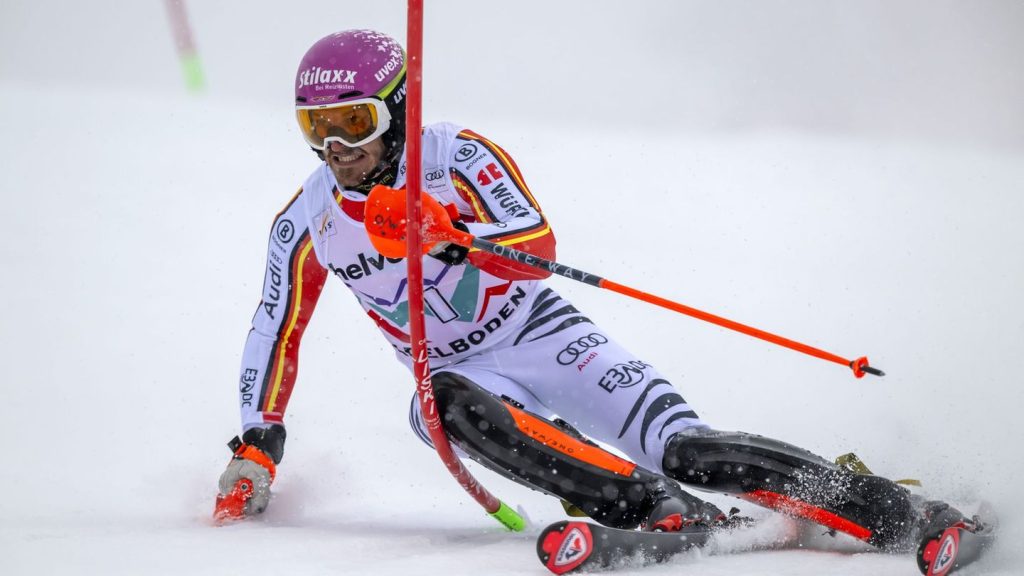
x=959, y=542
x=938, y=556
x=565, y=546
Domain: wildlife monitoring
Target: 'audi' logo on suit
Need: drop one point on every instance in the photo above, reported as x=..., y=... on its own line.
x=572, y=352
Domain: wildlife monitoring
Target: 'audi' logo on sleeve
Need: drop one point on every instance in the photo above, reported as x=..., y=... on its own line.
x=572, y=352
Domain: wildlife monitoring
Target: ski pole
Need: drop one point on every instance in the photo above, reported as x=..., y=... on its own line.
x=385, y=222
x=859, y=366
x=421, y=367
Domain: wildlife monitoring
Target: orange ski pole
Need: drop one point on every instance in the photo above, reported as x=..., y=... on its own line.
x=385, y=211
x=859, y=366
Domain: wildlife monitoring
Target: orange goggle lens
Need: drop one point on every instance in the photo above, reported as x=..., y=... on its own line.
x=353, y=124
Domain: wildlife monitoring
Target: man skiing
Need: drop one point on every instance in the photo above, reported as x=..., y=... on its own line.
x=523, y=379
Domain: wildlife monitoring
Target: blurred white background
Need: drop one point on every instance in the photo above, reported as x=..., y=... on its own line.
x=935, y=69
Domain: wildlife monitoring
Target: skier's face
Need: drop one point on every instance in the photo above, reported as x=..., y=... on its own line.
x=352, y=165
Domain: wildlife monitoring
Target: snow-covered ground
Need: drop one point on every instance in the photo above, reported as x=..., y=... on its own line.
x=136, y=229
x=135, y=224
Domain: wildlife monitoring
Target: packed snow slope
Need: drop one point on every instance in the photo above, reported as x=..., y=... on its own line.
x=135, y=261
x=136, y=223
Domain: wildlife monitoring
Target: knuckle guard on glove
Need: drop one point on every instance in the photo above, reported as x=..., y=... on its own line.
x=256, y=473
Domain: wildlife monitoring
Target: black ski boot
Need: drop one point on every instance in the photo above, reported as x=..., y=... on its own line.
x=672, y=508
x=795, y=482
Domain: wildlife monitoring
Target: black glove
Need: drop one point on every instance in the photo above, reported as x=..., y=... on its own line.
x=269, y=440
x=450, y=253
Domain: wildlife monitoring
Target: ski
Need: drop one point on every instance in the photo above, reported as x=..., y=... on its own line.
x=948, y=542
x=951, y=540
x=569, y=546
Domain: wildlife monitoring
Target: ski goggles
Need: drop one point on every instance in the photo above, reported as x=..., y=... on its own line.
x=352, y=123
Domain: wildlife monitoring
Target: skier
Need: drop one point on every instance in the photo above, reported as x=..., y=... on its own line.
x=524, y=379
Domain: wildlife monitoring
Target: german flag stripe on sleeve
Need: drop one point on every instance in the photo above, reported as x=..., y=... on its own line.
x=534, y=232
x=468, y=191
x=307, y=280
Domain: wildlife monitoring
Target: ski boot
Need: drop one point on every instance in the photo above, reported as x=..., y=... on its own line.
x=795, y=482
x=672, y=508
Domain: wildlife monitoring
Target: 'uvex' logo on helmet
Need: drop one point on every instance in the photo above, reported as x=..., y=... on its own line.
x=388, y=67
x=319, y=75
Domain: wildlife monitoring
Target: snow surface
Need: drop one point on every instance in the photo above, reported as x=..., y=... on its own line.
x=135, y=225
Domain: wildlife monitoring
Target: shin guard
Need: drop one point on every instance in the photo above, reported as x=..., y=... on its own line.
x=550, y=457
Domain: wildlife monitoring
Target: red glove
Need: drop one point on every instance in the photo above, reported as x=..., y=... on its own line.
x=386, y=221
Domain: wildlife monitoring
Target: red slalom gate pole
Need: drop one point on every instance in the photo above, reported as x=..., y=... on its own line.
x=183, y=40
x=414, y=262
